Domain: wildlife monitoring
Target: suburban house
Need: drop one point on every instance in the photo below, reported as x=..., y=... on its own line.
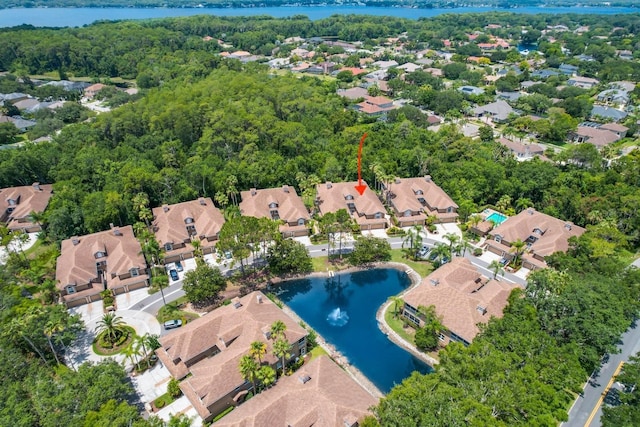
x=499, y=111
x=92, y=91
x=375, y=105
x=205, y=354
x=414, y=199
x=568, y=69
x=365, y=209
x=353, y=93
x=583, y=82
x=607, y=113
x=176, y=226
x=598, y=134
x=461, y=296
x=471, y=90
x=17, y=203
x=280, y=204
x=542, y=234
x=318, y=394
x=90, y=264
x=522, y=151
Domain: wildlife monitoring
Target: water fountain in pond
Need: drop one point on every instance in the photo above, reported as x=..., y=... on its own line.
x=337, y=317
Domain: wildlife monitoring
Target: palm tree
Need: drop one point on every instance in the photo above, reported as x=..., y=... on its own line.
x=257, y=350
x=413, y=240
x=281, y=349
x=161, y=282
x=277, y=330
x=462, y=246
x=440, y=251
x=496, y=267
x=112, y=325
x=267, y=376
x=474, y=220
x=517, y=248
x=453, y=239
x=131, y=353
x=197, y=250
x=140, y=342
x=397, y=302
x=50, y=329
x=232, y=181
x=248, y=369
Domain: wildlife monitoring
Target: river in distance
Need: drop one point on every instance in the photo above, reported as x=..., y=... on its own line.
x=77, y=17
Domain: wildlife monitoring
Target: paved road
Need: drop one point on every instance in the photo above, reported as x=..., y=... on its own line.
x=586, y=410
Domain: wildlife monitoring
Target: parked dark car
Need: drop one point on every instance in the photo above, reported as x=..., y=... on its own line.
x=171, y=324
x=174, y=275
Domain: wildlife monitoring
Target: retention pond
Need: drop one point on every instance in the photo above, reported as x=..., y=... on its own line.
x=342, y=309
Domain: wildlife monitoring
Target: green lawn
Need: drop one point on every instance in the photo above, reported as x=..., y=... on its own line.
x=423, y=268
x=397, y=325
x=172, y=311
x=316, y=352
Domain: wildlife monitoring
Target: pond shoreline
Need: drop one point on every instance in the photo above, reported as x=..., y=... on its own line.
x=340, y=359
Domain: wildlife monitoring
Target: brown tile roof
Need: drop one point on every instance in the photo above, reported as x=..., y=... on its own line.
x=405, y=193
x=76, y=264
x=597, y=137
x=614, y=127
x=26, y=199
x=332, y=197
x=554, y=236
x=520, y=148
x=462, y=296
x=170, y=225
x=330, y=398
x=231, y=329
x=285, y=200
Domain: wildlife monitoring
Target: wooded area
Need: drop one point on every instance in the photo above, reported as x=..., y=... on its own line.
x=212, y=127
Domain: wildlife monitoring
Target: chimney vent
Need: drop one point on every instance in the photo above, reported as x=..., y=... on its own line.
x=75, y=240
x=259, y=297
x=329, y=185
x=427, y=178
x=202, y=201
x=253, y=192
x=165, y=208
x=397, y=180
x=36, y=186
x=116, y=231
x=285, y=188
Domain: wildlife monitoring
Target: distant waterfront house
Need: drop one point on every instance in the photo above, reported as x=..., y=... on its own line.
x=280, y=204
x=319, y=394
x=205, y=354
x=90, y=264
x=414, y=199
x=365, y=209
x=542, y=234
x=175, y=226
x=461, y=296
x=17, y=204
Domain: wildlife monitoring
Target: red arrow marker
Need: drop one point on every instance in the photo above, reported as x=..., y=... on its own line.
x=360, y=187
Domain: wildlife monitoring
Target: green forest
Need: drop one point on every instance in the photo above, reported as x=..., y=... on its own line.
x=208, y=126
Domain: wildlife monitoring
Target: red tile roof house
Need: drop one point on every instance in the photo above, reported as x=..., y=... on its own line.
x=375, y=105
x=205, y=354
x=543, y=234
x=93, y=90
x=17, y=203
x=461, y=296
x=278, y=204
x=319, y=394
x=90, y=264
x=176, y=225
x=413, y=199
x=365, y=209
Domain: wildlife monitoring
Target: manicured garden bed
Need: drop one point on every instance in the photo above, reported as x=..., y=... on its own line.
x=104, y=348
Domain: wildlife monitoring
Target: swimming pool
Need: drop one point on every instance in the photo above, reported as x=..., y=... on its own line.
x=497, y=218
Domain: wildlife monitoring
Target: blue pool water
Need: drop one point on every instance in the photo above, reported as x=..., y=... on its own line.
x=496, y=217
x=342, y=309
